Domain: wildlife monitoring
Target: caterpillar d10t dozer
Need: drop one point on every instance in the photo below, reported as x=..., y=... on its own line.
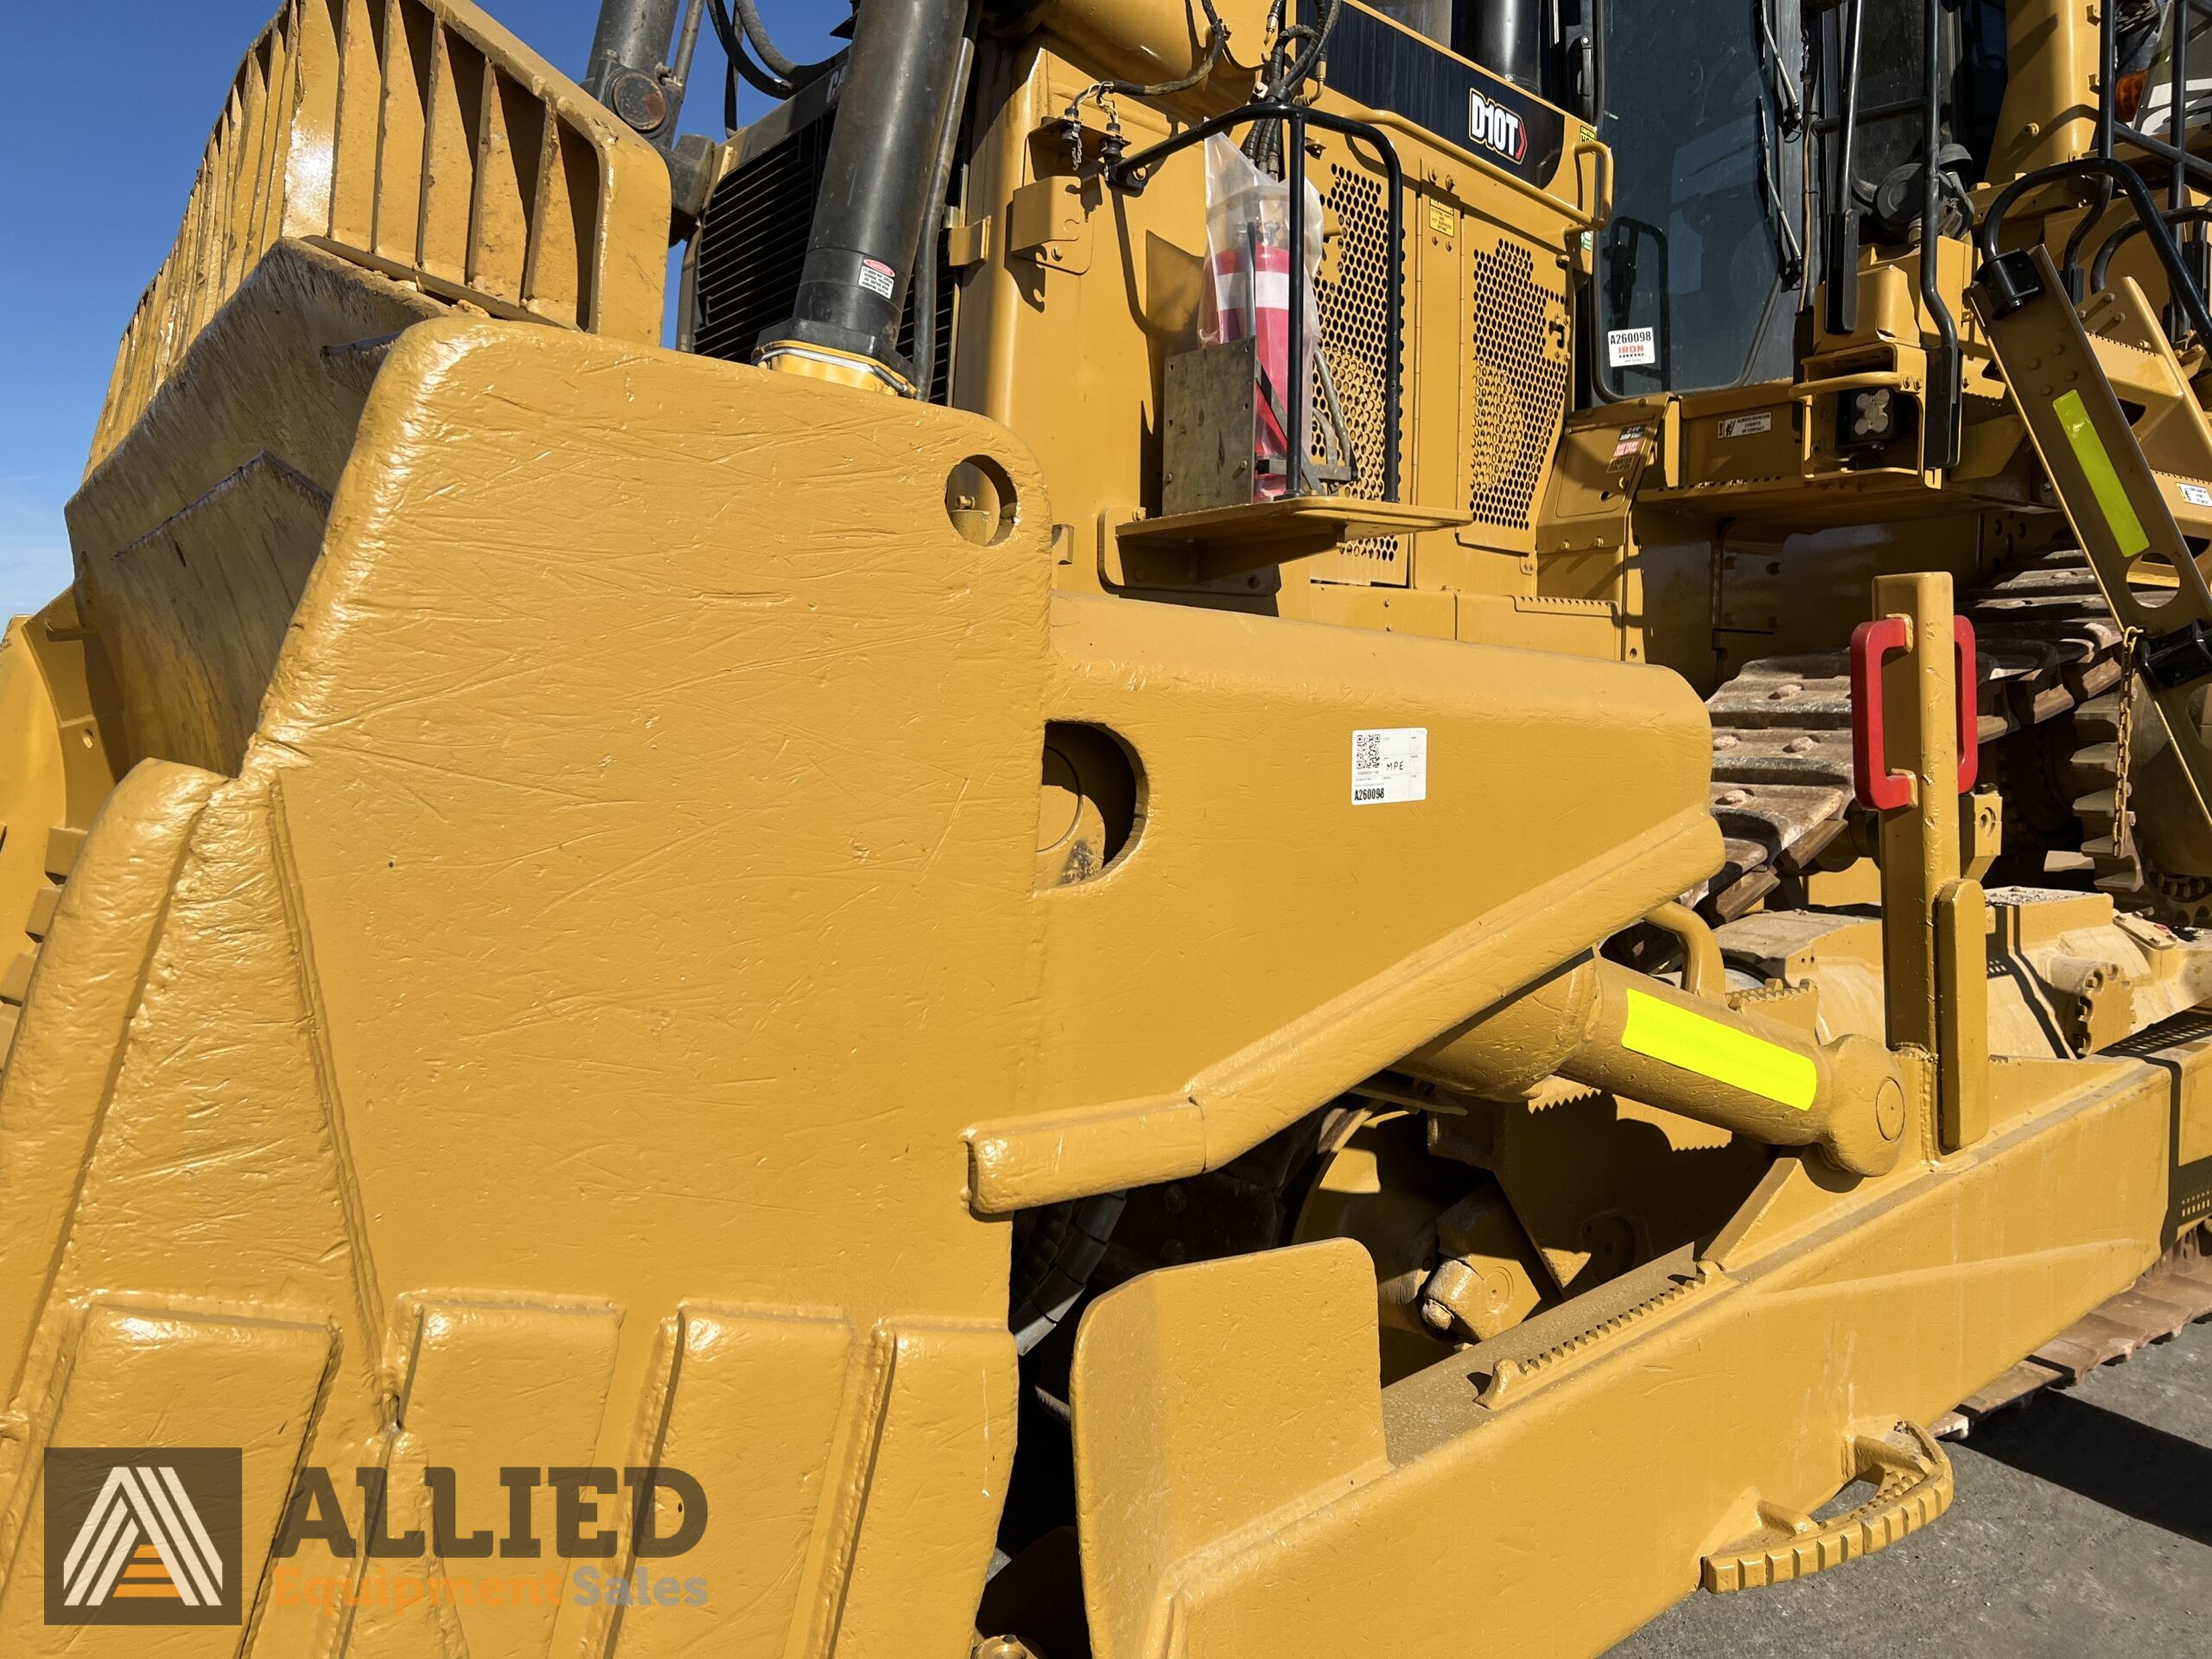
x=1342, y=829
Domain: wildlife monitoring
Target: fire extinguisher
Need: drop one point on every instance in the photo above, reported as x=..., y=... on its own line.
x=1252, y=283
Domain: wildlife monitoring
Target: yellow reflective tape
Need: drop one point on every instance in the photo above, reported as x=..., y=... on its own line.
x=2104, y=481
x=1678, y=1037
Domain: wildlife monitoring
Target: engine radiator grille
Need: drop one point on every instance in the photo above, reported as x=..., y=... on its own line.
x=1521, y=372
x=753, y=244
x=1515, y=386
x=1355, y=332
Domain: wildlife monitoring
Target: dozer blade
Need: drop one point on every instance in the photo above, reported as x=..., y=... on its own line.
x=2118, y=507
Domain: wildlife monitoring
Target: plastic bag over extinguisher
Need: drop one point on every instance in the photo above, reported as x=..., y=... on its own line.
x=1248, y=296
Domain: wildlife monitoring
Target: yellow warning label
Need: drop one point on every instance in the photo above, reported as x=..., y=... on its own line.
x=2095, y=462
x=1443, y=221
x=1680, y=1037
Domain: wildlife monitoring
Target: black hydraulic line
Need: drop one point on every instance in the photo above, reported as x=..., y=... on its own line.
x=1945, y=371
x=1299, y=70
x=1289, y=68
x=1840, y=259
x=2069, y=264
x=740, y=44
x=741, y=63
x=1103, y=91
x=874, y=200
x=2008, y=281
x=756, y=35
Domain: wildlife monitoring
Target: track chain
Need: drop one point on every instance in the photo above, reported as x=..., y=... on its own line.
x=1781, y=786
x=2047, y=645
x=2176, y=1292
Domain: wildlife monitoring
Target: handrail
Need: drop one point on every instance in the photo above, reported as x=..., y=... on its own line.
x=1947, y=383
x=2187, y=160
x=2108, y=78
x=1840, y=253
x=1133, y=173
x=2002, y=282
x=2100, y=268
x=2177, y=122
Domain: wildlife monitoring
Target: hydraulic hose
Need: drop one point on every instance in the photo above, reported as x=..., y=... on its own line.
x=744, y=37
x=756, y=33
x=1287, y=74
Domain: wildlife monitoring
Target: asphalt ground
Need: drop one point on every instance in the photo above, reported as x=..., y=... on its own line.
x=2082, y=1526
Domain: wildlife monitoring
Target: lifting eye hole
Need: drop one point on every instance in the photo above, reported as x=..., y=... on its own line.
x=1089, y=806
x=980, y=499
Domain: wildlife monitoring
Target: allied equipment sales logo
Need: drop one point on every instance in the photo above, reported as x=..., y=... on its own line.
x=141, y=1536
x=1496, y=127
x=152, y=1535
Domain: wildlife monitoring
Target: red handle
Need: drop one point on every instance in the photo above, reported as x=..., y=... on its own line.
x=1969, y=724
x=1877, y=788
x=1871, y=642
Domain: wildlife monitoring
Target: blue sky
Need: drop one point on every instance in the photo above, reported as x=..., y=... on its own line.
x=103, y=160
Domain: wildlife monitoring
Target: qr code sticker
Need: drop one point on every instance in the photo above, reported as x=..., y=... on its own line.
x=1389, y=764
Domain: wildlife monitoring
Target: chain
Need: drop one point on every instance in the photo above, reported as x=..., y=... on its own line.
x=2123, y=827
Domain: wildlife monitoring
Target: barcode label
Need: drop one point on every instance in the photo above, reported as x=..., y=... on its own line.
x=1390, y=764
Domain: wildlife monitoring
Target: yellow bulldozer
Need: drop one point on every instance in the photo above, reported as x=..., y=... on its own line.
x=1341, y=827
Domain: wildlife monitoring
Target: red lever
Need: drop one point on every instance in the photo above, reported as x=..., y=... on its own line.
x=1871, y=642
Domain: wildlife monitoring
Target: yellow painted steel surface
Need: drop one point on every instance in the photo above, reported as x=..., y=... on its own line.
x=468, y=933
x=583, y=908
